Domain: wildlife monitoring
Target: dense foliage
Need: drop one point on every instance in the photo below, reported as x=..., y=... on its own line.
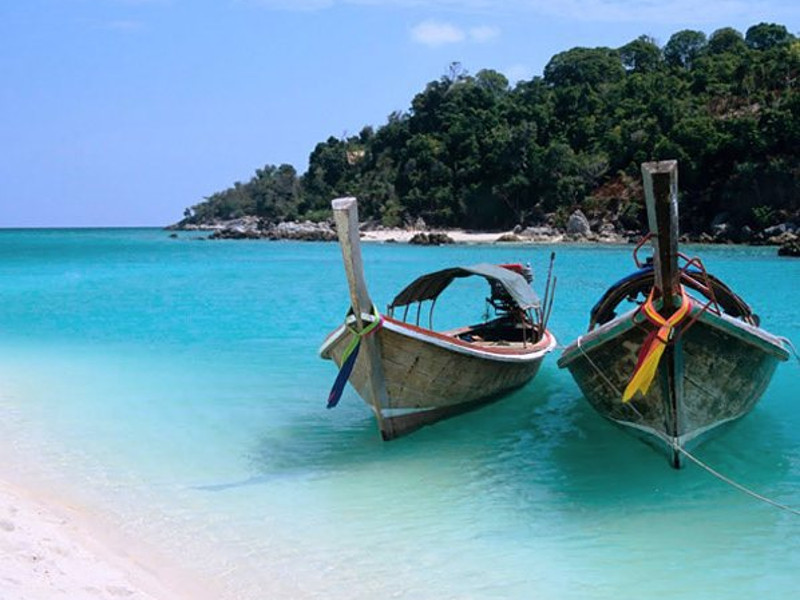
x=474, y=152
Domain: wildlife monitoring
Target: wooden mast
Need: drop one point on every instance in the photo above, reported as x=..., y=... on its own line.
x=661, y=197
x=345, y=214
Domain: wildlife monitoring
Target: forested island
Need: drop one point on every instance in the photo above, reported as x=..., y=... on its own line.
x=474, y=152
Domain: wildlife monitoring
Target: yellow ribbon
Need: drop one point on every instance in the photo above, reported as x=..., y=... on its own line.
x=654, y=345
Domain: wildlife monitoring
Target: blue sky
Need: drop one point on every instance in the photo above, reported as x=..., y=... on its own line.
x=124, y=112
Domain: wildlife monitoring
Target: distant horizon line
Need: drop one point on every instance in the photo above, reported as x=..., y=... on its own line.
x=23, y=227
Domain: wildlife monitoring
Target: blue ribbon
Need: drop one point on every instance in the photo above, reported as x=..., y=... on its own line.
x=343, y=376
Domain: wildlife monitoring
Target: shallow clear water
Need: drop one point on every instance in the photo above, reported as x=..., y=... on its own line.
x=175, y=383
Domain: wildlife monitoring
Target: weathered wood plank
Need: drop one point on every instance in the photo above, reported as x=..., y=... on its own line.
x=661, y=197
x=422, y=376
x=721, y=375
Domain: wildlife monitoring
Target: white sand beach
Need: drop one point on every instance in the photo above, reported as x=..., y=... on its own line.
x=51, y=550
x=459, y=236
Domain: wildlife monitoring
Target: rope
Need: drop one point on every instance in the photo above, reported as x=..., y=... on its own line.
x=349, y=356
x=733, y=483
x=357, y=335
x=670, y=442
x=654, y=344
x=596, y=368
x=607, y=381
x=792, y=346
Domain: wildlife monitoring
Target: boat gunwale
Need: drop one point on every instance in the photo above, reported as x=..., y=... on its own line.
x=749, y=334
x=500, y=354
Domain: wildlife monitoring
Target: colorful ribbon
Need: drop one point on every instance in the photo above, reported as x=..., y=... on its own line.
x=349, y=357
x=654, y=344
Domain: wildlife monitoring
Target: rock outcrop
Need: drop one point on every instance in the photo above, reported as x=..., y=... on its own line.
x=253, y=228
x=305, y=231
x=430, y=239
x=541, y=233
x=508, y=238
x=791, y=247
x=578, y=224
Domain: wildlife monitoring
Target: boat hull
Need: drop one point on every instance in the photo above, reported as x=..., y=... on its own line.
x=429, y=376
x=712, y=374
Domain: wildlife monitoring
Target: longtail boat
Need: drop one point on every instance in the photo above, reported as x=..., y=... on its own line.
x=411, y=375
x=688, y=356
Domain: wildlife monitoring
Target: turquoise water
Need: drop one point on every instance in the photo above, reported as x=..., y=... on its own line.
x=174, y=384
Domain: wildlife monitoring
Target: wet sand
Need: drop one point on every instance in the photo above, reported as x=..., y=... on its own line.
x=50, y=550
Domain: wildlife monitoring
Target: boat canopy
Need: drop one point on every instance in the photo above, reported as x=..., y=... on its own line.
x=428, y=287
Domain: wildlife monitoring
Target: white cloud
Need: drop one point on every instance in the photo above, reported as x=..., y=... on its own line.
x=433, y=33
x=436, y=33
x=483, y=33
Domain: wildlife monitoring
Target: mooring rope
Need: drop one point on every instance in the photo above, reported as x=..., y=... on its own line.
x=733, y=483
x=605, y=378
x=792, y=346
x=671, y=443
x=596, y=368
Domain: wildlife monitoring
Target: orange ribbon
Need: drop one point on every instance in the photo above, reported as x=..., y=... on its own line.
x=654, y=344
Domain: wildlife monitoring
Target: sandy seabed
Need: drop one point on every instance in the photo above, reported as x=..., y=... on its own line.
x=50, y=550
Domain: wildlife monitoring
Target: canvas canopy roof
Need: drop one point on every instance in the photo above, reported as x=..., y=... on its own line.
x=428, y=287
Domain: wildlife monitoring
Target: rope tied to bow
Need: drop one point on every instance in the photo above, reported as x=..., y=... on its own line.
x=350, y=354
x=654, y=344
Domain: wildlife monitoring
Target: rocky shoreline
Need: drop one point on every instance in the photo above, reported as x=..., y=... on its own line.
x=254, y=228
x=578, y=229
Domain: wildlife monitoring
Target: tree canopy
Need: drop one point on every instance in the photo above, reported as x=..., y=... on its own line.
x=474, y=151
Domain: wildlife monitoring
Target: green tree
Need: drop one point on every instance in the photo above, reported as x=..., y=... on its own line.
x=584, y=66
x=726, y=39
x=642, y=55
x=473, y=151
x=767, y=35
x=684, y=47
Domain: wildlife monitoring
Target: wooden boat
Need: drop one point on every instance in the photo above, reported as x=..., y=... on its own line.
x=688, y=357
x=412, y=375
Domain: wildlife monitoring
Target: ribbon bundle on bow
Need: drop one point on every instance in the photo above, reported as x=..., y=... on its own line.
x=349, y=357
x=654, y=344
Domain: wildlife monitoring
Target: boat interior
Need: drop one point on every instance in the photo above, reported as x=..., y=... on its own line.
x=511, y=325
x=633, y=290
x=504, y=331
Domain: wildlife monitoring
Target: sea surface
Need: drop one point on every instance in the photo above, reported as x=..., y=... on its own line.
x=174, y=384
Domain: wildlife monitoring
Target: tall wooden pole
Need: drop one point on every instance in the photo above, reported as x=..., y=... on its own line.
x=345, y=214
x=661, y=197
